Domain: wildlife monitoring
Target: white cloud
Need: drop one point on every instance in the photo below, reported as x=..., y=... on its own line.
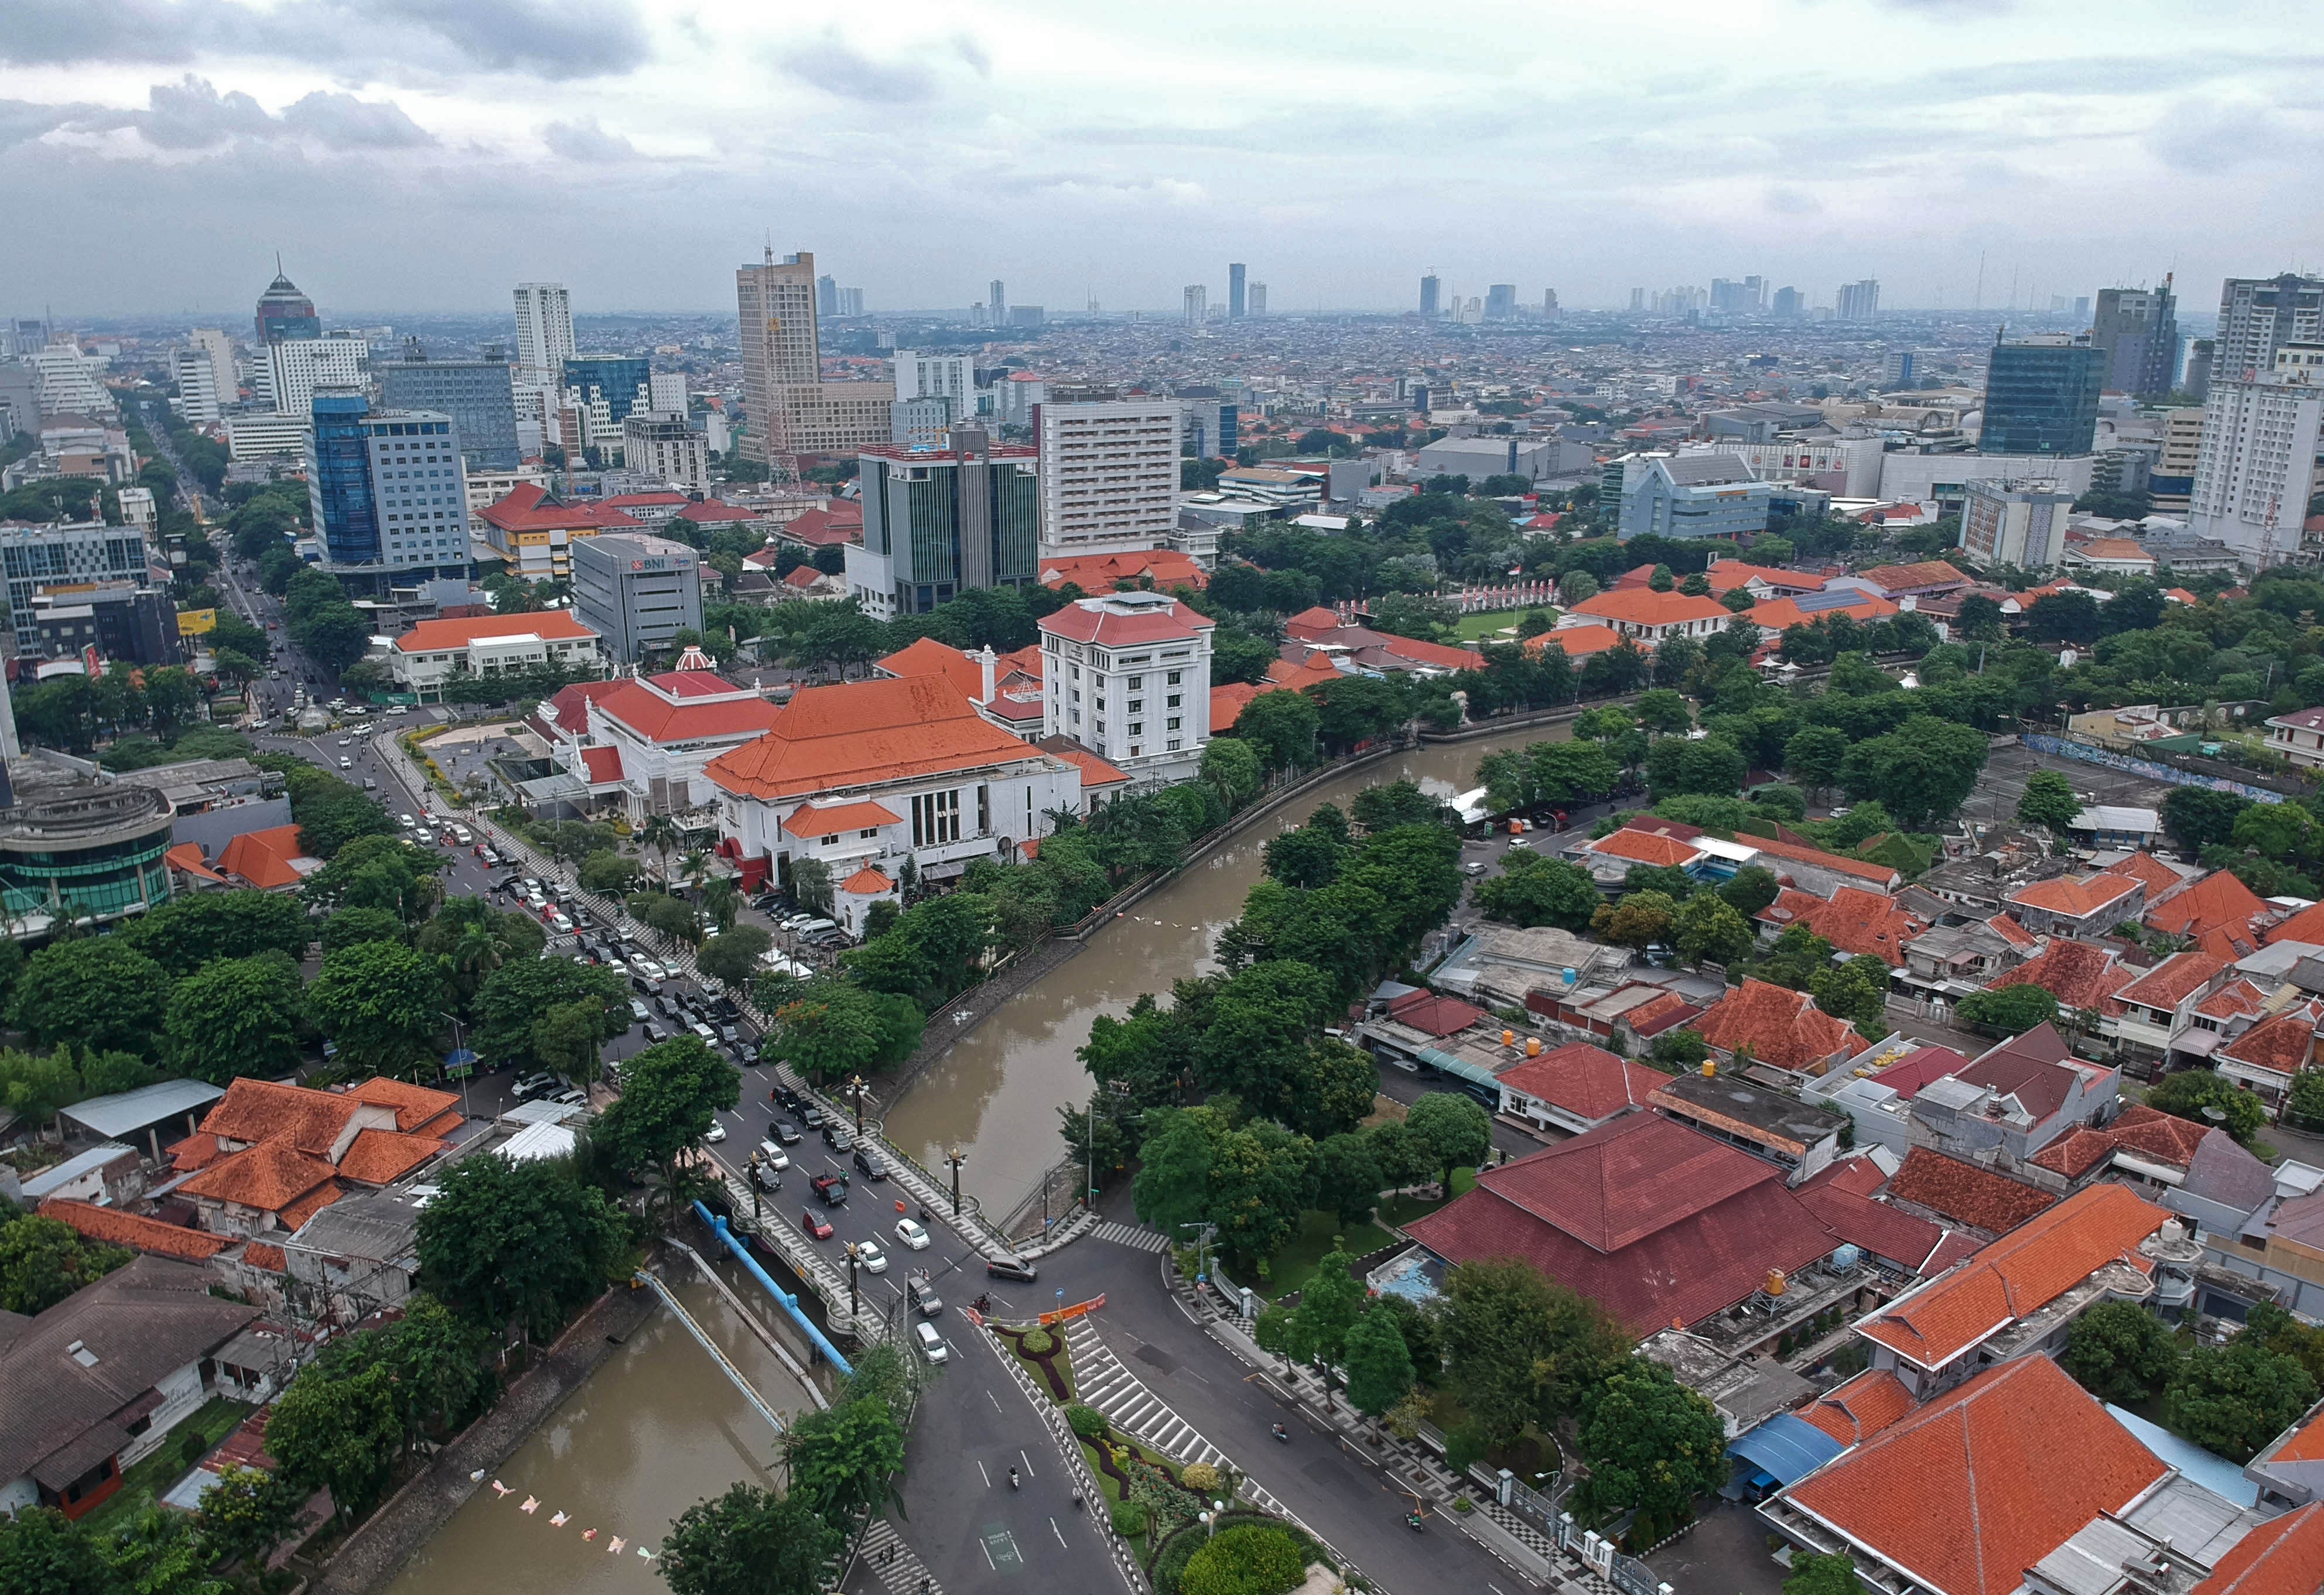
x=584, y=141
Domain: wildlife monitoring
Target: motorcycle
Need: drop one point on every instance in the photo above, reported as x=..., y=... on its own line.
x=1414, y=1519
x=1280, y=1433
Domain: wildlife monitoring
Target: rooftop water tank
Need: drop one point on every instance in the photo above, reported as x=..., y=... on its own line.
x=1846, y=1258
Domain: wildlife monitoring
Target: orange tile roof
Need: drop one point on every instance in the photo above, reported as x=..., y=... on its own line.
x=2150, y=872
x=658, y=719
x=1984, y=1482
x=1227, y=704
x=1314, y=670
x=1860, y=923
x=2168, y=982
x=417, y=1108
x=2284, y=1043
x=253, y=1111
x=2282, y=1557
x=2237, y=998
x=2307, y=926
x=1927, y=573
x=308, y=1206
x=1311, y=624
x=1883, y=875
x=1576, y=641
x=1097, y=775
x=808, y=820
x=1966, y=1194
x=868, y=881
x=2021, y=1273
x=2079, y=974
x=258, y=1254
x=1097, y=573
x=2007, y=928
x=115, y=1228
x=928, y=657
x=1778, y=614
x=188, y=856
x=269, y=1176
x=195, y=1151
x=1437, y=654
x=2076, y=898
x=2157, y=1136
x=1643, y=847
x=1856, y=1410
x=381, y=1157
x=2117, y=548
x=264, y=858
x=860, y=733
x=2075, y=1153
x=1643, y=606
x=551, y=625
x=1586, y=1081
x=1780, y=1026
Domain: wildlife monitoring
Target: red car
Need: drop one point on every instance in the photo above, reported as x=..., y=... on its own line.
x=820, y=1229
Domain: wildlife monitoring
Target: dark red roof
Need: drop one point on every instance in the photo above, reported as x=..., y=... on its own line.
x=1874, y=1226
x=1585, y=1081
x=1438, y=1016
x=1654, y=1220
x=1966, y=1194
x=1091, y=620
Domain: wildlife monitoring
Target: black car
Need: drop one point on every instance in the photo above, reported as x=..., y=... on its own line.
x=787, y=1133
x=810, y=1115
x=723, y=1007
x=787, y=1098
x=839, y=1138
x=875, y=1166
x=1010, y=1268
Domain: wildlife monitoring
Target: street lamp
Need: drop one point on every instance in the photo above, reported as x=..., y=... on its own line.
x=955, y=1158
x=754, y=1187
x=854, y=1303
x=855, y=1089
x=470, y=1066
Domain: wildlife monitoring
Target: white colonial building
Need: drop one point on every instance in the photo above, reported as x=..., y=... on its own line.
x=433, y=652
x=1127, y=676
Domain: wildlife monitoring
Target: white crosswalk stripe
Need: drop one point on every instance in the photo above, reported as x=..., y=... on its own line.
x=900, y=1571
x=1103, y=1380
x=1131, y=1235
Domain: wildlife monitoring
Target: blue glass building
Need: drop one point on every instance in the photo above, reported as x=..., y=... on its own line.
x=386, y=492
x=2041, y=396
x=624, y=383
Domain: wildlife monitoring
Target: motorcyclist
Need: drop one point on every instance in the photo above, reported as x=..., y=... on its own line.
x=1012, y=1479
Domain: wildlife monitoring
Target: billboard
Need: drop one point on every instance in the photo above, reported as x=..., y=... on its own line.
x=193, y=623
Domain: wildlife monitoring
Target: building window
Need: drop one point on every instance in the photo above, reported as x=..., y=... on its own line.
x=1174, y=677
x=1136, y=683
x=936, y=818
x=1173, y=725
x=1173, y=701
x=1137, y=728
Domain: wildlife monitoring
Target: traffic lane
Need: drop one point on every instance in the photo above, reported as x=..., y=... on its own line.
x=1333, y=1485
x=967, y=1524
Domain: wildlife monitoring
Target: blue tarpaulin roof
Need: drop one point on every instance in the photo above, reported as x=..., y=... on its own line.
x=1789, y=1448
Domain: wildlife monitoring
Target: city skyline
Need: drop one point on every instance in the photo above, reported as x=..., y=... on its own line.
x=2089, y=156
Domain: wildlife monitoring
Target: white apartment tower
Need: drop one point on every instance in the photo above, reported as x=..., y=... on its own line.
x=544, y=329
x=936, y=376
x=2259, y=314
x=220, y=349
x=2256, y=466
x=1109, y=475
x=296, y=369
x=1257, y=299
x=197, y=394
x=1198, y=304
x=1127, y=676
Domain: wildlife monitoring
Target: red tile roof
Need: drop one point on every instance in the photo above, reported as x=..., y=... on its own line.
x=2307, y=926
x=380, y=1157
x=115, y=1228
x=1857, y=922
x=188, y=856
x=2075, y=898
x=1437, y=1015
x=868, y=881
x=253, y=1111
x=2075, y=1153
x=2284, y=1556
x=2284, y=1043
x=1436, y=655
x=1643, y=847
x=2237, y=998
x=1984, y=1482
x=529, y=507
x=551, y=625
x=1654, y=1220
x=1311, y=624
x=2169, y=982
x=1780, y=615
x=1097, y=573
x=928, y=657
x=1091, y=620
x=1856, y=1410
x=1782, y=1027
x=841, y=524
x=1097, y=775
x=656, y=719
x=1585, y=1081
x=2150, y=872
x=1576, y=641
x=1643, y=606
x=1877, y=1226
x=808, y=820
x=2023, y=1271
x=269, y=1176
x=308, y=1206
x=1907, y=579
x=1227, y=704
x=711, y=513
x=2079, y=974
x=264, y=858
x=417, y=1110
x=604, y=765
x=258, y=1254
x=569, y=709
x=1966, y=1194
x=860, y=733
x=1884, y=876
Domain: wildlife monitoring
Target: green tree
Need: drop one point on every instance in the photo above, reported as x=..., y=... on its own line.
x=1749, y=889
x=1678, y=1050
x=2235, y=1398
x=1920, y=771
x=188, y=932
x=1380, y=1364
x=1259, y=1023
x=337, y=1429
x=1521, y=1349
x=2048, y=801
x=513, y=996
x=1146, y=1056
x=523, y=1241
x=1232, y=766
x=1663, y=710
x=43, y=1261
x=1815, y=755
x=43, y=1552
x=843, y=1461
x=97, y=992
x=1711, y=764
x=1815, y=1574
x=748, y=1541
x=2014, y=1009
x=2120, y=1352
x=1281, y=728
x=1639, y=919
x=1329, y=1304
x=349, y=927
x=376, y=872
x=1651, y=1443
x=1347, y=1178
x=1262, y=1178
x=237, y=1015
x=1532, y=889
x=671, y=1093
x=568, y=1039
x=2306, y=1106
x=245, y=1514
x=607, y=873
x=2198, y=818
x=835, y=1028
x=1171, y=1187
x=1454, y=1128
x=1709, y=930
x=1307, y=856
x=381, y=1002
x=2187, y=1094
x=731, y=959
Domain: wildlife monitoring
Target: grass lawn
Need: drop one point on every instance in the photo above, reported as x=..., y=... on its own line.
x=1403, y=1210
x=1292, y=1266
x=1471, y=627
x=214, y=1420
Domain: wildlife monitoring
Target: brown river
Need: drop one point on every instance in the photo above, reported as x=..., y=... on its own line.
x=658, y=1427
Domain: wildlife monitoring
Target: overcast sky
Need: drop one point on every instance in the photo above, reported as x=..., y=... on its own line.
x=424, y=155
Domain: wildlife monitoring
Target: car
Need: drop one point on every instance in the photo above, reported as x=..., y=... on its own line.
x=832, y=1128
x=530, y=882
x=559, y=923
x=913, y=1236
x=533, y=1086
x=765, y=1178
x=789, y=1098
x=656, y=1031
x=645, y=983
x=875, y=1166
x=1012, y=1268
x=648, y=968
x=346, y=762
x=1474, y=867
x=535, y=901
x=818, y=1229
x=723, y=1007
x=810, y=1115
x=923, y=1296
x=870, y=1258
x=715, y=1133
x=572, y=1098
x=701, y=1029
x=747, y=1053
x=639, y=1011
x=730, y=1034
x=843, y=1142
x=773, y=1155
x=930, y=1340
x=787, y=1133
x=1520, y=842
x=831, y=1187
x=344, y=741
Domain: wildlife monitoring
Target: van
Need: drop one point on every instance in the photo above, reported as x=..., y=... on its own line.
x=656, y=1031
x=463, y=835
x=931, y=1340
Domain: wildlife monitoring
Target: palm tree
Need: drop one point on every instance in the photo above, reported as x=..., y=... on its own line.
x=661, y=834
x=811, y=884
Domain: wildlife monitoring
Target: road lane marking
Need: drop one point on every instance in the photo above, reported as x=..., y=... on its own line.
x=989, y=1395
x=979, y=1461
x=1026, y=1461
x=1059, y=1532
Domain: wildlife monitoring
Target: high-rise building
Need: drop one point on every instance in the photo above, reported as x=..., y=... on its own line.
x=2200, y=354
x=669, y=392
x=1638, y=300
x=2041, y=395
x=998, y=304
x=68, y=381
x=1212, y=421
x=1858, y=302
x=827, y=296
x=1502, y=301
x=1747, y=298
x=1897, y=369
x=2258, y=315
x=2136, y=333
x=1127, y=676
x=2015, y=522
x=2170, y=485
x=2255, y=466
x=1549, y=304
x=1109, y=475
x=1198, y=304
x=636, y=592
x=544, y=330
x=384, y=489
x=1258, y=306
x=198, y=395
x=937, y=522
x=214, y=344
x=294, y=371
x=920, y=375
x=33, y=559
x=600, y=390
x=666, y=447
x=1428, y=289
x=283, y=312
x=1235, y=291
x=923, y=422
x=479, y=395
x=791, y=410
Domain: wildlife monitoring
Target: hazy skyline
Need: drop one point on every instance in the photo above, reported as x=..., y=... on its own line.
x=427, y=155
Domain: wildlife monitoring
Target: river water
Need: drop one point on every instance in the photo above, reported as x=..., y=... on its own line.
x=995, y=1095
x=655, y=1429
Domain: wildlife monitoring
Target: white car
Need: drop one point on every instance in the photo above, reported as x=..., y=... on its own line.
x=931, y=1340
x=346, y=762
x=648, y=968
x=772, y=1155
x=407, y=822
x=870, y=1258
x=911, y=1234
x=717, y=1132
x=559, y=923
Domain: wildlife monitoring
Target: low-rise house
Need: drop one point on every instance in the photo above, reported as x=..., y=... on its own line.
x=434, y=652
x=1799, y=1138
x=1877, y=1089
x=1577, y=1087
x=2083, y=976
x=1005, y=687
x=1928, y=578
x=1974, y=1199
x=1503, y=965
x=1649, y=618
x=2111, y=826
x=2290, y=1470
x=2299, y=736
x=2264, y=1058
x=2014, y=1099
x=2154, y=1006
x=2218, y=912
x=1777, y=1026
x=1746, y=1391
x=97, y=1381
x=106, y=1174
x=1774, y=616
x=270, y=1156
x=1812, y=870
x=1857, y=922
x=2064, y=906
x=1951, y=961
x=2196, y=1170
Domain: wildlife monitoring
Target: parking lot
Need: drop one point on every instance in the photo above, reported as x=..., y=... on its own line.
x=2003, y=783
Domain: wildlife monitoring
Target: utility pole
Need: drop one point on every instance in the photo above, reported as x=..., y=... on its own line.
x=856, y=1088
x=854, y=1305
x=956, y=1159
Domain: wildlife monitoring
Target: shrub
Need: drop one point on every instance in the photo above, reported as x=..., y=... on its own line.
x=1086, y=1421
x=1249, y=1559
x=1129, y=1519
x=1038, y=1343
x=1464, y=1445
x=1200, y=1477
